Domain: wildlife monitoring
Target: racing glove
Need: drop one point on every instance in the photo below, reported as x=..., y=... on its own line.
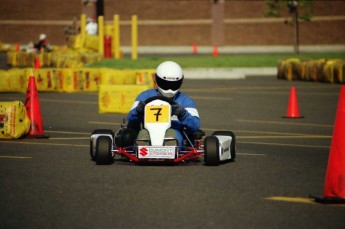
x=140, y=107
x=178, y=110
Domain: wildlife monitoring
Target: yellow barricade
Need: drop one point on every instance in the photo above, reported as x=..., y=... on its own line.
x=75, y=41
x=112, y=76
x=116, y=77
x=18, y=80
x=47, y=79
x=47, y=59
x=91, y=42
x=290, y=69
x=13, y=80
x=78, y=80
x=90, y=57
x=130, y=77
x=11, y=58
x=3, y=81
x=14, y=122
x=302, y=70
x=339, y=71
x=329, y=71
x=118, y=98
x=146, y=77
x=315, y=70
x=66, y=60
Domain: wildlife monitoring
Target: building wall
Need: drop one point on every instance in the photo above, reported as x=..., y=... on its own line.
x=174, y=22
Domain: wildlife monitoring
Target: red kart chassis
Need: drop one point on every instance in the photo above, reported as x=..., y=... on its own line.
x=187, y=154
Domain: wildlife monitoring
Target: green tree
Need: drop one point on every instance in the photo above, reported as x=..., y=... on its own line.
x=298, y=9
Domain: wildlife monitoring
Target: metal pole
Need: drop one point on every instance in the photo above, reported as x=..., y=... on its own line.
x=101, y=35
x=134, y=37
x=83, y=29
x=116, y=36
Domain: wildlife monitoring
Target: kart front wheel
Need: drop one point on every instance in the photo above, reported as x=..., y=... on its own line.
x=103, y=154
x=92, y=145
x=211, y=151
x=233, y=142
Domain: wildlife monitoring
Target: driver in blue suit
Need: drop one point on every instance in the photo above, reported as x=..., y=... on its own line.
x=168, y=78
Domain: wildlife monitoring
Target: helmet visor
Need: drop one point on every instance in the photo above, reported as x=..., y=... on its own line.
x=166, y=84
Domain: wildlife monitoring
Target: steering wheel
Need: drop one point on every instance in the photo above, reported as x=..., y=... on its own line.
x=168, y=100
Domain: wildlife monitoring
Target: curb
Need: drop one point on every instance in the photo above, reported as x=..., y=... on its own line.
x=228, y=73
x=251, y=49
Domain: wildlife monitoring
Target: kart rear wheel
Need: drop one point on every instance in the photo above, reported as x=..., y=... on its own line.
x=103, y=154
x=211, y=151
x=233, y=142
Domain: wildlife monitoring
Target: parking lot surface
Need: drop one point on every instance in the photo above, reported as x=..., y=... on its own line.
x=52, y=183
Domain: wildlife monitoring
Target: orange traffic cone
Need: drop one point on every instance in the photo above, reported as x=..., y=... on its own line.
x=195, y=48
x=292, y=110
x=37, y=63
x=334, y=189
x=33, y=110
x=215, y=51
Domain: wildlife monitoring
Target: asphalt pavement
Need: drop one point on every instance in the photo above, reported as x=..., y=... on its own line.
x=52, y=183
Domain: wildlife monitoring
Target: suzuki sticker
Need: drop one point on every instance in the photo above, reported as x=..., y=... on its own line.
x=166, y=152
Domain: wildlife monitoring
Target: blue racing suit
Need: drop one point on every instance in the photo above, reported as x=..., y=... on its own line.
x=190, y=120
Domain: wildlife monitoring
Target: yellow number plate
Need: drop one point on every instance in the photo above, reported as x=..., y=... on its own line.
x=157, y=114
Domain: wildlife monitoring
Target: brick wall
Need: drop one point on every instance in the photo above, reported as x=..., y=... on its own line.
x=22, y=21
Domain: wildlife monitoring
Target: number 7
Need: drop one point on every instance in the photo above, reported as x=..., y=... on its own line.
x=158, y=109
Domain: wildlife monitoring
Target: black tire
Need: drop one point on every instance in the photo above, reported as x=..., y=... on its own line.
x=233, y=142
x=211, y=151
x=103, y=154
x=99, y=131
x=103, y=131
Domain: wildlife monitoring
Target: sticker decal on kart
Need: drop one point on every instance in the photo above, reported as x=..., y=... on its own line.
x=157, y=152
x=157, y=114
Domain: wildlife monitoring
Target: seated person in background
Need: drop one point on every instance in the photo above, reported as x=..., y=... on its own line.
x=91, y=27
x=42, y=44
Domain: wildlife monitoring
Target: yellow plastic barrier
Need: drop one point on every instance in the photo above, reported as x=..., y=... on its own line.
x=146, y=77
x=11, y=58
x=91, y=42
x=14, y=122
x=13, y=80
x=47, y=79
x=116, y=77
x=290, y=69
x=339, y=70
x=75, y=41
x=47, y=59
x=130, y=77
x=78, y=80
x=90, y=57
x=329, y=71
x=302, y=70
x=17, y=79
x=112, y=76
x=315, y=70
x=92, y=78
x=66, y=60
x=118, y=98
x=321, y=70
x=3, y=81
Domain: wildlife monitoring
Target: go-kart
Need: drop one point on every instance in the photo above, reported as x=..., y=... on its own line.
x=157, y=147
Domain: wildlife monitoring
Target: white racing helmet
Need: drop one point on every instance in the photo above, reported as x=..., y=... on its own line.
x=42, y=36
x=169, y=78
